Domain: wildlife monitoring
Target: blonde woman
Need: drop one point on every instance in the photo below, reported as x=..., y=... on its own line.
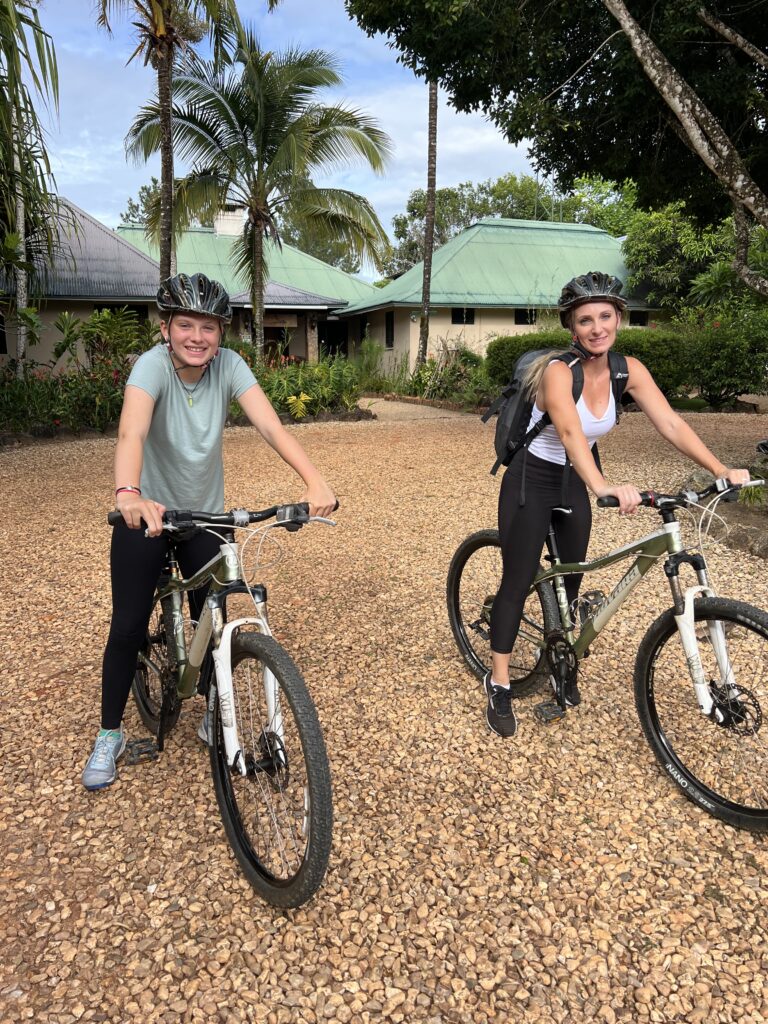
x=533, y=490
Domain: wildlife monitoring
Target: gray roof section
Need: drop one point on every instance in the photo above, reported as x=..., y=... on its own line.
x=93, y=262
x=277, y=294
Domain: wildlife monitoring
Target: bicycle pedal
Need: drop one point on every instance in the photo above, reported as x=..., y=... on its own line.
x=140, y=751
x=548, y=711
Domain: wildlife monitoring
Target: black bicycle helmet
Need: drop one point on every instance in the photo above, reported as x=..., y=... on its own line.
x=194, y=293
x=591, y=287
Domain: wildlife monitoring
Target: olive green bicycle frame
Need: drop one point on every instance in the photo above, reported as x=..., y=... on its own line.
x=222, y=572
x=648, y=550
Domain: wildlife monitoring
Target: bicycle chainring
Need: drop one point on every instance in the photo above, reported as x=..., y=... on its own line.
x=738, y=712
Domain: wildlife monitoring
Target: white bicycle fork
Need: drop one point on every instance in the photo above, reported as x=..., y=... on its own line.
x=222, y=657
x=687, y=629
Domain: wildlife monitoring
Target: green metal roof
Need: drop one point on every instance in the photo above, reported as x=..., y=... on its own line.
x=501, y=262
x=202, y=250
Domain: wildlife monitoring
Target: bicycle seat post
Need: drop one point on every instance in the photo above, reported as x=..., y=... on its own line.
x=553, y=555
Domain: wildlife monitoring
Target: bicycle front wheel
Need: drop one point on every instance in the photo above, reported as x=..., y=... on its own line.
x=719, y=761
x=278, y=817
x=473, y=579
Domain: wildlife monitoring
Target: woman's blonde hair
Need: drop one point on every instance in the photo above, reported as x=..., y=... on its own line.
x=534, y=372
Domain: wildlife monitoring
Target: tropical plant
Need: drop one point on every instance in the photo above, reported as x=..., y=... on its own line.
x=163, y=28
x=28, y=206
x=256, y=133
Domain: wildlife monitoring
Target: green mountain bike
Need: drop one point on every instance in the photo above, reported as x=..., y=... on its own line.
x=268, y=758
x=701, y=670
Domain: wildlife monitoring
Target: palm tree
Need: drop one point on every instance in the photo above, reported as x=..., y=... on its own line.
x=255, y=133
x=429, y=224
x=27, y=203
x=164, y=27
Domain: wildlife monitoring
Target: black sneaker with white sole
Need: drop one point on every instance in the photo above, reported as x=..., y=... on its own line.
x=499, y=714
x=572, y=695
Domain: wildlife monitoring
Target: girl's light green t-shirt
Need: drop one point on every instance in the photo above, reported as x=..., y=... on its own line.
x=183, y=466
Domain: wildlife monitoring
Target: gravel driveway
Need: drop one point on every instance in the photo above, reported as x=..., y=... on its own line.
x=555, y=877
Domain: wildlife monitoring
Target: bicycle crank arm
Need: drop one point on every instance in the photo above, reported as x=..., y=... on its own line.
x=222, y=658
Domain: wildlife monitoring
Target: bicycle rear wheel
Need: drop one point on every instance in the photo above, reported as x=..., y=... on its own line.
x=473, y=579
x=720, y=765
x=278, y=817
x=153, y=672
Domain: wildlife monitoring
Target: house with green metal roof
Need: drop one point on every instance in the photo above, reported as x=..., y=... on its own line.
x=498, y=277
x=209, y=250
x=98, y=268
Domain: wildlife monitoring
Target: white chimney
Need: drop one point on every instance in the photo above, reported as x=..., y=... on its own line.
x=229, y=221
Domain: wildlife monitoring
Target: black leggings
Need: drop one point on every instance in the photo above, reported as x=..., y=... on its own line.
x=523, y=530
x=136, y=562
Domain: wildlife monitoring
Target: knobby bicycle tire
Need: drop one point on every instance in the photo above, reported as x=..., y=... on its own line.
x=147, y=683
x=469, y=602
x=288, y=788
x=722, y=767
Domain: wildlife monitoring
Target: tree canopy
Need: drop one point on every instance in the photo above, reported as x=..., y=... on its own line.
x=564, y=77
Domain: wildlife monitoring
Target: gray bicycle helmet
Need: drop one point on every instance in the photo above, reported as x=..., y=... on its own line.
x=194, y=293
x=591, y=287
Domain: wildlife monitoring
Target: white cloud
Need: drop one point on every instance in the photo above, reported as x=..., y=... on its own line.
x=100, y=96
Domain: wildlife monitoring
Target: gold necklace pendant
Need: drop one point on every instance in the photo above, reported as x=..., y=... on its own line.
x=189, y=399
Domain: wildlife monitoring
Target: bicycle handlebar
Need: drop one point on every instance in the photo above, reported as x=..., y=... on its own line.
x=292, y=517
x=654, y=499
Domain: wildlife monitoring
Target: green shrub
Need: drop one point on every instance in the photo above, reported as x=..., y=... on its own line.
x=504, y=351
x=663, y=352
x=368, y=361
x=727, y=356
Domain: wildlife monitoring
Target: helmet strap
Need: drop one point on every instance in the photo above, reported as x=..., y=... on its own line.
x=583, y=352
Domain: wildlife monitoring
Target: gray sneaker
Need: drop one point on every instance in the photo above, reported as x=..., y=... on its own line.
x=101, y=769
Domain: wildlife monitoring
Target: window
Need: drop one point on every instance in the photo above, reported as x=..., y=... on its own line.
x=389, y=329
x=525, y=317
x=363, y=326
x=461, y=315
x=3, y=342
x=638, y=318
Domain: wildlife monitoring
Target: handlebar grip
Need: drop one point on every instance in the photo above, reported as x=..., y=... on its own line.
x=647, y=498
x=114, y=517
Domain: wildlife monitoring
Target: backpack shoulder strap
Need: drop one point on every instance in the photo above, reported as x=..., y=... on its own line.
x=617, y=365
x=577, y=370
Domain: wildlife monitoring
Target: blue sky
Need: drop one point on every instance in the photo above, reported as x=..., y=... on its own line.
x=99, y=96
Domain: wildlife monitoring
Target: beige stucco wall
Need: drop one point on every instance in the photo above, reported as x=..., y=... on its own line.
x=489, y=324
x=49, y=337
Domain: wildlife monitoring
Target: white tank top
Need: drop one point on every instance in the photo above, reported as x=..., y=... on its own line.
x=548, y=444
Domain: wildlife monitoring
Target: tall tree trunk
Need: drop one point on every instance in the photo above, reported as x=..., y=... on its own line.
x=429, y=224
x=164, y=96
x=257, y=294
x=20, y=273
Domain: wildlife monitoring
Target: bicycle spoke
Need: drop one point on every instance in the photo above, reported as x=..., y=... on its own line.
x=268, y=809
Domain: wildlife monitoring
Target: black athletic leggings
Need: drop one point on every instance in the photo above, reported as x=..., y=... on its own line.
x=523, y=530
x=136, y=562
